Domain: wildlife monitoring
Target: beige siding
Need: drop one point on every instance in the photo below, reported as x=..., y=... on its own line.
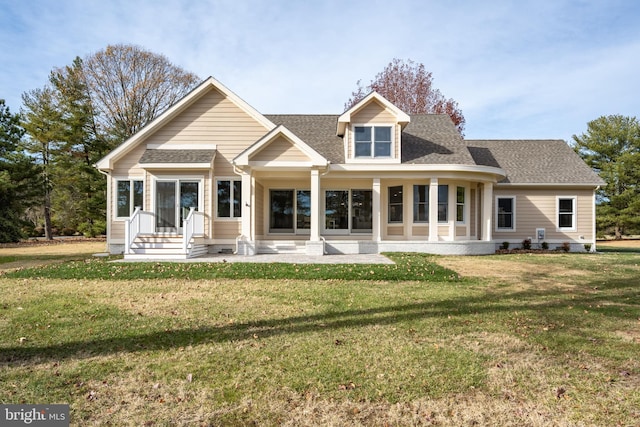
x=128, y=165
x=419, y=230
x=538, y=209
x=395, y=230
x=461, y=231
x=373, y=113
x=212, y=119
x=228, y=230
x=259, y=209
x=280, y=149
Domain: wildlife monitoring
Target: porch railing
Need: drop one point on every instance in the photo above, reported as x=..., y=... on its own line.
x=192, y=226
x=140, y=222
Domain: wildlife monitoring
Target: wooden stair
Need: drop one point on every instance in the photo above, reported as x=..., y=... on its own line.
x=165, y=247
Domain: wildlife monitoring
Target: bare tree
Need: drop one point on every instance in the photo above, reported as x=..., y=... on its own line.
x=130, y=86
x=410, y=87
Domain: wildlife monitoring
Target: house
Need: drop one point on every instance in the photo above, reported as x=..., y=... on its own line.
x=212, y=174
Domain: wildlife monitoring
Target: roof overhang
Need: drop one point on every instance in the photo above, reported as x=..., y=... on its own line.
x=316, y=160
x=449, y=171
x=345, y=118
x=177, y=159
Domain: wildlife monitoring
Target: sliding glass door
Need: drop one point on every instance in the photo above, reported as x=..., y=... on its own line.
x=174, y=199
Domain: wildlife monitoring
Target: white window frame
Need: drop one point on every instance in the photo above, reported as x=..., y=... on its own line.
x=231, y=217
x=349, y=230
x=391, y=156
x=464, y=204
x=513, y=214
x=426, y=203
x=295, y=230
x=389, y=221
x=131, y=179
x=574, y=213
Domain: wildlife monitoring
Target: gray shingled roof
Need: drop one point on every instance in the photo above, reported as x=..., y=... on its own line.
x=317, y=130
x=534, y=161
x=428, y=138
x=433, y=139
x=177, y=156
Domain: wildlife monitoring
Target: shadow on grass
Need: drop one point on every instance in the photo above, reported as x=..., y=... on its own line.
x=550, y=305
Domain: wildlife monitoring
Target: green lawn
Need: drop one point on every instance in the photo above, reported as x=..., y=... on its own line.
x=547, y=340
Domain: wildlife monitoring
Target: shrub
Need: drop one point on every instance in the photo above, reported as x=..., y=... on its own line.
x=587, y=247
x=67, y=231
x=526, y=244
x=545, y=245
x=505, y=245
x=566, y=246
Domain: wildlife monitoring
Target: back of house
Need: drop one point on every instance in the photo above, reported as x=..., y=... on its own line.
x=212, y=174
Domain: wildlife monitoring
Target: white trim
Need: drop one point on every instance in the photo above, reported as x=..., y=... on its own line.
x=315, y=159
x=177, y=179
x=546, y=184
x=344, y=119
x=574, y=214
x=513, y=214
x=231, y=179
x=106, y=163
x=294, y=231
x=131, y=208
x=435, y=168
x=391, y=159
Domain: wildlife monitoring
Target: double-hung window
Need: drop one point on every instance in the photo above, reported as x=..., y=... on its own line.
x=443, y=203
x=395, y=204
x=372, y=141
x=506, y=212
x=130, y=195
x=460, y=204
x=420, y=203
x=229, y=193
x=566, y=213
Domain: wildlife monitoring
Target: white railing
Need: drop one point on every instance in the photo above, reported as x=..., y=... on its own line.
x=192, y=226
x=140, y=222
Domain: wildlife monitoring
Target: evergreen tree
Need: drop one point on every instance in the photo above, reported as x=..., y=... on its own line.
x=18, y=177
x=43, y=122
x=611, y=146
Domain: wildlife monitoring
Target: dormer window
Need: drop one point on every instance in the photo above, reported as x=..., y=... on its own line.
x=372, y=141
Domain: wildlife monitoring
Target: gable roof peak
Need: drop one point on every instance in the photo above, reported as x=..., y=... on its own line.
x=345, y=118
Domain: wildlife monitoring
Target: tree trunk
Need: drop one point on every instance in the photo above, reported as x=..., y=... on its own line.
x=618, y=232
x=47, y=217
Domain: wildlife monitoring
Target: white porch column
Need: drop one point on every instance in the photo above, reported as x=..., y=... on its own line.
x=433, y=210
x=315, y=246
x=377, y=213
x=246, y=205
x=487, y=205
x=315, y=205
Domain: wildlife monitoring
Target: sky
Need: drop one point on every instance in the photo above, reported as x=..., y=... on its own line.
x=518, y=69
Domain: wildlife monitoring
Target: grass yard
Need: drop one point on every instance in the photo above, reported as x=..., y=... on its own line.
x=530, y=339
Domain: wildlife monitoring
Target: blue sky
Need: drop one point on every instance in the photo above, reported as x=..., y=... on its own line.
x=518, y=69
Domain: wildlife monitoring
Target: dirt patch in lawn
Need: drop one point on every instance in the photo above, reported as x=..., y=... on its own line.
x=624, y=243
x=33, y=253
x=512, y=271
